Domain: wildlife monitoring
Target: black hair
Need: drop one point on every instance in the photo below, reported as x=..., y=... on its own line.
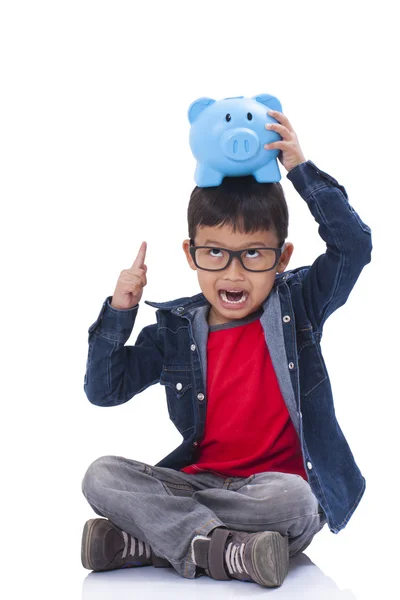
x=241, y=202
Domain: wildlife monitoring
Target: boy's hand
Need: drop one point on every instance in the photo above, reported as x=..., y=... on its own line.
x=129, y=288
x=291, y=153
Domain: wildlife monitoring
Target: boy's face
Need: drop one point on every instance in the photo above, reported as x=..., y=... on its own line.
x=256, y=286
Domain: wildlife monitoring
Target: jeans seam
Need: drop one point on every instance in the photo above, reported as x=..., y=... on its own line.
x=180, y=486
x=276, y=522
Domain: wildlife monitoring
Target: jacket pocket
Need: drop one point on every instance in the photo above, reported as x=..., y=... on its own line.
x=178, y=388
x=312, y=371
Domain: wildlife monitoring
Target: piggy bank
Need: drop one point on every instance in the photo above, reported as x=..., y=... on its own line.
x=227, y=138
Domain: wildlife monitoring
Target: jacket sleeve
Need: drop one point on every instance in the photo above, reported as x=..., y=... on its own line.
x=328, y=282
x=115, y=372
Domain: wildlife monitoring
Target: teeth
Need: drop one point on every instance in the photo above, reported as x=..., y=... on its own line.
x=225, y=299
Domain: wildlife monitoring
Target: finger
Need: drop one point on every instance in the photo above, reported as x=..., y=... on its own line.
x=135, y=280
x=129, y=276
x=143, y=278
x=138, y=274
x=139, y=282
x=279, y=116
x=277, y=146
x=139, y=260
x=281, y=129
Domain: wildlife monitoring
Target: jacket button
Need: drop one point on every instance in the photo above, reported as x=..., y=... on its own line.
x=291, y=365
x=309, y=465
x=286, y=318
x=178, y=386
x=193, y=347
x=180, y=309
x=195, y=444
x=200, y=396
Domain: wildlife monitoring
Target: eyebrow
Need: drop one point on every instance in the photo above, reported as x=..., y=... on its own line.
x=219, y=245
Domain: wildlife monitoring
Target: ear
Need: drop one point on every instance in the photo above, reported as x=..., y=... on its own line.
x=285, y=257
x=185, y=246
x=269, y=101
x=197, y=107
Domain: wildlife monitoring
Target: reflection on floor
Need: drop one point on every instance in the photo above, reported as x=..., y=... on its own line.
x=304, y=580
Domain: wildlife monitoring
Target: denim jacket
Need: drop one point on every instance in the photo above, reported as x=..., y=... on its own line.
x=173, y=351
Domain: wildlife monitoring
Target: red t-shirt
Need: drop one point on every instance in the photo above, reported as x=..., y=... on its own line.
x=248, y=428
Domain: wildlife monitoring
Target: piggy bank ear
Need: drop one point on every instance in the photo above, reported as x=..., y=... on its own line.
x=197, y=107
x=269, y=101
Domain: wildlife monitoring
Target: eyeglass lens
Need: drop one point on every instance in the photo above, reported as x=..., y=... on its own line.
x=257, y=259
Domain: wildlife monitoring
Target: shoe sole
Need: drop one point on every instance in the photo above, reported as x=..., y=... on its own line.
x=270, y=558
x=86, y=541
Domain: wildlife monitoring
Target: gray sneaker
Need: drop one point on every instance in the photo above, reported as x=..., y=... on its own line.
x=105, y=547
x=261, y=557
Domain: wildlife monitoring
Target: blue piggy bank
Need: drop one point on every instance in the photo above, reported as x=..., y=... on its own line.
x=227, y=138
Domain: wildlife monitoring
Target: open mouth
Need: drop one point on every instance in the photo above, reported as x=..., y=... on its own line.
x=233, y=297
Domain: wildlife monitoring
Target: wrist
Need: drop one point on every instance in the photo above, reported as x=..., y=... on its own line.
x=300, y=162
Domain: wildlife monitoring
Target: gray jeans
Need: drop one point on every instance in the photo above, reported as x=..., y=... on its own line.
x=167, y=508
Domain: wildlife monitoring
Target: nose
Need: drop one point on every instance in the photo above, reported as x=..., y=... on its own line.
x=235, y=269
x=240, y=144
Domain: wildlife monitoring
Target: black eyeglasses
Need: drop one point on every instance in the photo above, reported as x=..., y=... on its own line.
x=265, y=259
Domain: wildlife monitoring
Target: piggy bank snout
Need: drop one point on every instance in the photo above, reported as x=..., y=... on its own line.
x=240, y=144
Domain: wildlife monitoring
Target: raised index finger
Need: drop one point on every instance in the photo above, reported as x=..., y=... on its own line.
x=139, y=260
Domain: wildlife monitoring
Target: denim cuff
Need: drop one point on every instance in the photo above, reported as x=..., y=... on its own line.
x=115, y=321
x=307, y=175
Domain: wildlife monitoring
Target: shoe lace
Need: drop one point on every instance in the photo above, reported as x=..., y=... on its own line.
x=130, y=546
x=234, y=558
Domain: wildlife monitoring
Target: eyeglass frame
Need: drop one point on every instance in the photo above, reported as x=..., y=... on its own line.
x=237, y=254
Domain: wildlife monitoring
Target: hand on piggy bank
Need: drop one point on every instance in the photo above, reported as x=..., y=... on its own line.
x=227, y=138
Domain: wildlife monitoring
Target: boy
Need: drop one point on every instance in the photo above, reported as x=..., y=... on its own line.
x=263, y=464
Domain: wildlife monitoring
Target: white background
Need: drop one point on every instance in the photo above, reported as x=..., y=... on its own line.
x=94, y=160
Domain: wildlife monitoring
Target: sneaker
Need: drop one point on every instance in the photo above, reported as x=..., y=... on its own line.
x=105, y=546
x=261, y=557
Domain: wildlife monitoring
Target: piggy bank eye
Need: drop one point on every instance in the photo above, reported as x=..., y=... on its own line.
x=249, y=116
x=228, y=117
